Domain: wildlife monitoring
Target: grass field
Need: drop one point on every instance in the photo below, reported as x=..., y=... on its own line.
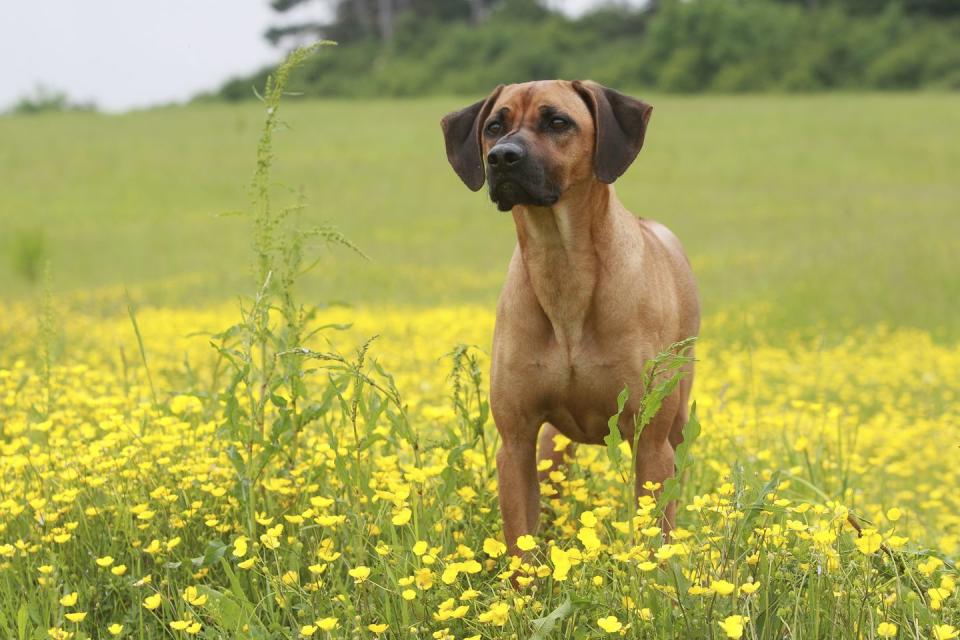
x=829, y=209
x=239, y=493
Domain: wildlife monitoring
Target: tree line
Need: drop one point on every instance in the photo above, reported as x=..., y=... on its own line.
x=416, y=47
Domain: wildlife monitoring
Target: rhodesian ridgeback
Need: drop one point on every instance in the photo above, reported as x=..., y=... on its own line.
x=592, y=291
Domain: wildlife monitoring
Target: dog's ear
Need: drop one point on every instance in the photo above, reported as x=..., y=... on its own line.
x=461, y=133
x=620, y=123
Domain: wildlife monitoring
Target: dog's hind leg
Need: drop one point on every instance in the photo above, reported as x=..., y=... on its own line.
x=654, y=462
x=654, y=456
x=558, y=455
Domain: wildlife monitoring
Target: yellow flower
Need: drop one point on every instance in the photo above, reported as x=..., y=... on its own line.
x=326, y=624
x=77, y=616
x=69, y=600
x=749, y=587
x=179, y=625
x=240, y=547
x=104, y=562
x=930, y=565
x=246, y=564
x=409, y=594
x=588, y=537
x=378, y=628
x=450, y=573
x=895, y=542
x=937, y=596
x=588, y=519
x=115, y=629
x=869, y=541
x=119, y=570
x=402, y=517
x=944, y=632
x=192, y=595
x=948, y=583
x=894, y=514
x=308, y=630
x=494, y=548
x=646, y=615
x=561, y=563
x=526, y=543
x=271, y=539
x=359, y=574
x=610, y=624
x=448, y=610
x=721, y=587
x=152, y=602
x=733, y=626
x=497, y=614
x=185, y=404
x=886, y=630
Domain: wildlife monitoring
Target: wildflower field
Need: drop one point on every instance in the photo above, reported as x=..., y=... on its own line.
x=176, y=462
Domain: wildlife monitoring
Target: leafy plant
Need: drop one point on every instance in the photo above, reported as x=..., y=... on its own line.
x=661, y=375
x=470, y=405
x=264, y=398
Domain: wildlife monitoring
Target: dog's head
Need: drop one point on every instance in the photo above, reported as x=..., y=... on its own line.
x=535, y=140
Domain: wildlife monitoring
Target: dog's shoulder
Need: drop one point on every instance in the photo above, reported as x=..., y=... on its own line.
x=662, y=234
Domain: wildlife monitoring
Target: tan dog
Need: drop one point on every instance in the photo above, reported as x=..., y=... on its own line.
x=592, y=291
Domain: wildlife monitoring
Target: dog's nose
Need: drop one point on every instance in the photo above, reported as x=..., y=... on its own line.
x=505, y=154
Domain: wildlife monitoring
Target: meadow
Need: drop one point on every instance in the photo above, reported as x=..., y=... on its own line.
x=187, y=452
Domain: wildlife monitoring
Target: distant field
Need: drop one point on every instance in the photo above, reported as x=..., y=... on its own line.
x=834, y=210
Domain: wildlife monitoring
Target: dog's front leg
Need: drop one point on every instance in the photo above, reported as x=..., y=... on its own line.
x=518, y=486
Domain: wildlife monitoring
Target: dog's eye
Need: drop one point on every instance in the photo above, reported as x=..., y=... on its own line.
x=494, y=128
x=559, y=124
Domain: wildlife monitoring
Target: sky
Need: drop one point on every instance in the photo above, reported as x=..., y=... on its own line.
x=127, y=54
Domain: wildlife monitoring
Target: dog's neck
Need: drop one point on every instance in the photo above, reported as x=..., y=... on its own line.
x=562, y=247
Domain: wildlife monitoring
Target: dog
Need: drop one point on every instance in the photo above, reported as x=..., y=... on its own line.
x=592, y=291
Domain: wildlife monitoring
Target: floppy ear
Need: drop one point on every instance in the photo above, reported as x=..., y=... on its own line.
x=461, y=132
x=620, y=122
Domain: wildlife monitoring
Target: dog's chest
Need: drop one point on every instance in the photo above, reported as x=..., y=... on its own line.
x=575, y=386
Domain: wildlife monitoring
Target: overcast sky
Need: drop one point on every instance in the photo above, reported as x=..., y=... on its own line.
x=124, y=54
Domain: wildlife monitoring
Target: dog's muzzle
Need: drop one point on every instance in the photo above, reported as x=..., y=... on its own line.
x=515, y=178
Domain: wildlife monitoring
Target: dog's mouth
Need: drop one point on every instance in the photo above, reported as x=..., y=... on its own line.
x=506, y=194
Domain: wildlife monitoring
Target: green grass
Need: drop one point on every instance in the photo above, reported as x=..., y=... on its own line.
x=832, y=210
